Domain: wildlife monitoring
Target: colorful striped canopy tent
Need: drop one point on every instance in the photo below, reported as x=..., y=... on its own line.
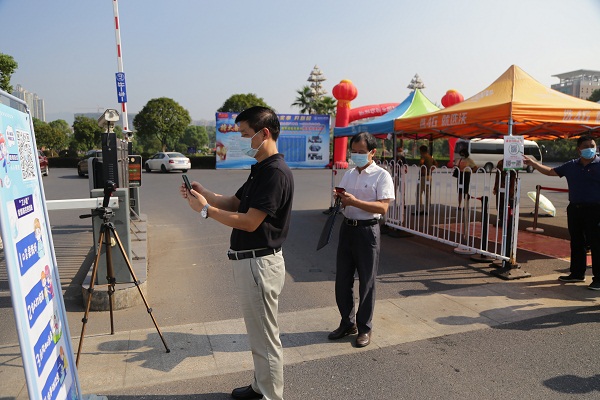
x=514, y=104
x=415, y=104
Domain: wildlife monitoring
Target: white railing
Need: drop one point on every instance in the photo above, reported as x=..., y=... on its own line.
x=432, y=207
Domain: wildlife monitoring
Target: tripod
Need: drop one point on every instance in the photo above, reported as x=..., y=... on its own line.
x=106, y=230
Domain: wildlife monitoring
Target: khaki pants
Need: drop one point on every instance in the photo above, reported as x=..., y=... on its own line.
x=259, y=282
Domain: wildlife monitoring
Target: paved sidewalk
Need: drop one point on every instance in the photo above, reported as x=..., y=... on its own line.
x=132, y=358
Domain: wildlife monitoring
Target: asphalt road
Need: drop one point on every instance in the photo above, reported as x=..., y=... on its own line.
x=189, y=280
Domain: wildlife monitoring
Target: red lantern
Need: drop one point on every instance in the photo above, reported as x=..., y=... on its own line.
x=451, y=98
x=345, y=91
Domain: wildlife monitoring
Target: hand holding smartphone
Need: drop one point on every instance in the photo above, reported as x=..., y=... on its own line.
x=187, y=183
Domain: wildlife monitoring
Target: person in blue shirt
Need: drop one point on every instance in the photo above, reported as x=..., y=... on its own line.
x=583, y=211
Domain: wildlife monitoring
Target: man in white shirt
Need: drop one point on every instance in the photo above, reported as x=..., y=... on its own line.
x=368, y=191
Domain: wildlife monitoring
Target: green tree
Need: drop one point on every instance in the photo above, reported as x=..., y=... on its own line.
x=164, y=119
x=62, y=126
x=304, y=101
x=240, y=102
x=309, y=104
x=87, y=134
x=195, y=136
x=595, y=97
x=49, y=136
x=212, y=135
x=326, y=105
x=8, y=66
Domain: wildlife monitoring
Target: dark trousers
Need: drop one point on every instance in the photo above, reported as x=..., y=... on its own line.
x=583, y=223
x=358, y=250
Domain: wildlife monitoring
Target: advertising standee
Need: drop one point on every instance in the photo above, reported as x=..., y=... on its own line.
x=36, y=295
x=303, y=140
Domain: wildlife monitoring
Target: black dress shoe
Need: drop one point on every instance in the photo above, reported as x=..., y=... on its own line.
x=342, y=331
x=245, y=392
x=363, y=339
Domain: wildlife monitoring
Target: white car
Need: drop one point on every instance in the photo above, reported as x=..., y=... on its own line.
x=168, y=161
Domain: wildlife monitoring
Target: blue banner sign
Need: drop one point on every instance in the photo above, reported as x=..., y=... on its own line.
x=303, y=141
x=37, y=300
x=121, y=87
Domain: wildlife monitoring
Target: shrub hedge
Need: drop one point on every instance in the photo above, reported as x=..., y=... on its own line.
x=199, y=162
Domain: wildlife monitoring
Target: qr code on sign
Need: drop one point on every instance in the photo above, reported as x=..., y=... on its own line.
x=28, y=170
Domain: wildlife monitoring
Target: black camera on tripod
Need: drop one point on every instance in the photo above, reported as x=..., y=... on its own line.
x=105, y=212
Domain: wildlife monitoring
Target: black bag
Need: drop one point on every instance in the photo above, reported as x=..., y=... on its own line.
x=455, y=173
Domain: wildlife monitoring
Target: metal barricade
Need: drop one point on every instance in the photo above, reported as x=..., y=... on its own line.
x=457, y=211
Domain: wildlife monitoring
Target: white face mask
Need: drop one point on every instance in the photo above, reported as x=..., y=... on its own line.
x=246, y=145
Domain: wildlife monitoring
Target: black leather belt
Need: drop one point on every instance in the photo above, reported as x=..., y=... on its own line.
x=360, y=222
x=243, y=254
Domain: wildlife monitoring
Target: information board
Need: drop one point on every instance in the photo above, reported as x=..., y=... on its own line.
x=303, y=140
x=135, y=170
x=36, y=294
x=514, y=150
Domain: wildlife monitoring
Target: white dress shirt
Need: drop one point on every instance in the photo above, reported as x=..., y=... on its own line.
x=371, y=184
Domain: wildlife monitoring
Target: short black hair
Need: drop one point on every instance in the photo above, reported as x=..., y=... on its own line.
x=584, y=138
x=464, y=153
x=423, y=149
x=259, y=117
x=367, y=138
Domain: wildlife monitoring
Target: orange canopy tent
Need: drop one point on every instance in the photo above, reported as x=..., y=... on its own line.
x=514, y=104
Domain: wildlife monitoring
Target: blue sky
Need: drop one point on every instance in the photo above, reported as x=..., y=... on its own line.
x=200, y=52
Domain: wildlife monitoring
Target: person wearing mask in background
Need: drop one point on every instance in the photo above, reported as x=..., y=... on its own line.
x=464, y=177
x=583, y=211
x=424, y=186
x=259, y=214
x=368, y=191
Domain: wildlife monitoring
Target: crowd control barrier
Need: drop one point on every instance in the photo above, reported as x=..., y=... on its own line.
x=429, y=205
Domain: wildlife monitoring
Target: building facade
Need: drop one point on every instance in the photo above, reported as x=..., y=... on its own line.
x=35, y=103
x=580, y=83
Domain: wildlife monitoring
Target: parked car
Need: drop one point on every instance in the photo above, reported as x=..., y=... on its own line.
x=43, y=163
x=82, y=165
x=168, y=161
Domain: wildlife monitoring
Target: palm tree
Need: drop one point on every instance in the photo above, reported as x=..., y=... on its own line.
x=304, y=101
x=326, y=105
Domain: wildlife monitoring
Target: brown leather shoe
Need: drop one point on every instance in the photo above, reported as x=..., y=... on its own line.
x=342, y=331
x=363, y=339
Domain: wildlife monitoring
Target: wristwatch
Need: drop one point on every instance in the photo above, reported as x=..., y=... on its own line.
x=204, y=211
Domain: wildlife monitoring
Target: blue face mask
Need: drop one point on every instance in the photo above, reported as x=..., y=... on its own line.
x=246, y=145
x=588, y=153
x=359, y=159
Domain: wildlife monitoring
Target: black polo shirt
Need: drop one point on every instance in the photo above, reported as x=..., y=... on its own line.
x=269, y=188
x=583, y=181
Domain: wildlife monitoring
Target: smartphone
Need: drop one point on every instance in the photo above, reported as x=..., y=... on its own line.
x=339, y=189
x=187, y=183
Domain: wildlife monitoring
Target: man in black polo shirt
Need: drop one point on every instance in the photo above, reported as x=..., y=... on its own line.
x=583, y=211
x=259, y=214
